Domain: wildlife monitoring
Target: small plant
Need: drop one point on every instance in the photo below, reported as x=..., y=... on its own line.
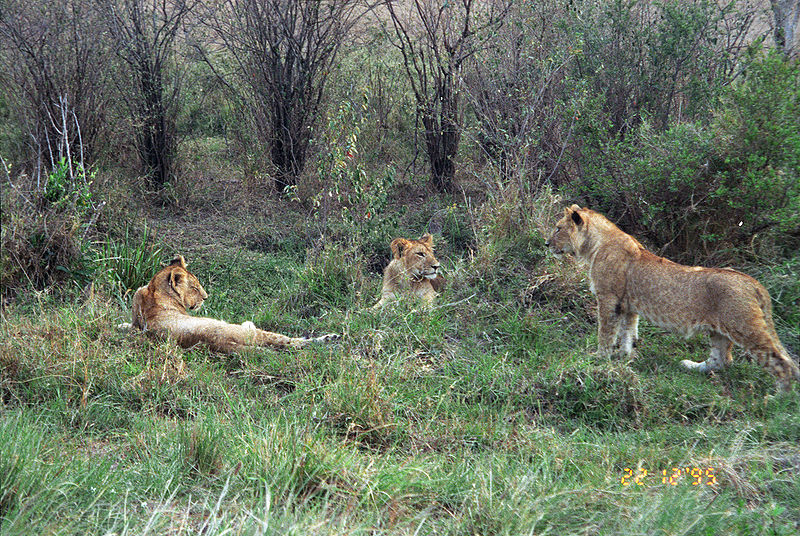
x=130, y=262
x=68, y=186
x=358, y=197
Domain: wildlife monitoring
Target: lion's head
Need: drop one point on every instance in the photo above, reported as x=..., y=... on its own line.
x=567, y=238
x=417, y=256
x=181, y=284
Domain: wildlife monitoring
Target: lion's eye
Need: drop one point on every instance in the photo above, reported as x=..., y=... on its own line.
x=420, y=254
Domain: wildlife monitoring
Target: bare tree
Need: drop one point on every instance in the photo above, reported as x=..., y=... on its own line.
x=435, y=38
x=53, y=61
x=515, y=85
x=283, y=51
x=146, y=33
x=787, y=16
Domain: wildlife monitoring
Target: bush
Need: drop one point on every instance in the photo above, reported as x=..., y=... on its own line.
x=757, y=143
x=707, y=192
x=350, y=201
x=44, y=230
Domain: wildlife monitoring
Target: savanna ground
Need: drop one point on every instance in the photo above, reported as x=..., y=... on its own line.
x=488, y=414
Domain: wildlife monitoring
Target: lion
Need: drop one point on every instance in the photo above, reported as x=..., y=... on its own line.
x=160, y=308
x=628, y=281
x=413, y=271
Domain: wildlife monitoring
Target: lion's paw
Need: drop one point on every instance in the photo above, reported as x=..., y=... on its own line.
x=328, y=337
x=694, y=365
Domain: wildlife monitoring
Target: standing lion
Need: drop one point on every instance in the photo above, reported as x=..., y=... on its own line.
x=161, y=308
x=629, y=281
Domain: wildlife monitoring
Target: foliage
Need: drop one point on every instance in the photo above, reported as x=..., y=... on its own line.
x=55, y=71
x=44, y=232
x=705, y=191
x=66, y=187
x=151, y=84
x=129, y=261
x=515, y=87
x=281, y=54
x=352, y=201
x=435, y=39
x=667, y=60
x=758, y=144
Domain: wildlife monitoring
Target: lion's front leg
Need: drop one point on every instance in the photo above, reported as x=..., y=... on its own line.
x=608, y=325
x=137, y=317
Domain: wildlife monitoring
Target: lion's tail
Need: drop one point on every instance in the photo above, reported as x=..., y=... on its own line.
x=781, y=354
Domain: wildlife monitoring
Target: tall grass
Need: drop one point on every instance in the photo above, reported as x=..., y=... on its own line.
x=486, y=414
x=130, y=261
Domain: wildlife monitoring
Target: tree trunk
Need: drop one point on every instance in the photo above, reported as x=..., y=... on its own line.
x=787, y=16
x=441, y=141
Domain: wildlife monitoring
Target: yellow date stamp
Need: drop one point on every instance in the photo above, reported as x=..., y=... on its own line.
x=694, y=476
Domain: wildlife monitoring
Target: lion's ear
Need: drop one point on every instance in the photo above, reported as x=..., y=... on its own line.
x=426, y=240
x=398, y=245
x=175, y=279
x=178, y=261
x=576, y=217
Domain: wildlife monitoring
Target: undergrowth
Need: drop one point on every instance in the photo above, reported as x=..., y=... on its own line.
x=488, y=413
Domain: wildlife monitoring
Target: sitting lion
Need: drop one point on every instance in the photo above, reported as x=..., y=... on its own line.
x=628, y=280
x=161, y=308
x=413, y=271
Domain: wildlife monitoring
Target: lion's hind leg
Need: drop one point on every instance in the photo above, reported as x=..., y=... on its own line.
x=720, y=356
x=763, y=343
x=277, y=340
x=628, y=334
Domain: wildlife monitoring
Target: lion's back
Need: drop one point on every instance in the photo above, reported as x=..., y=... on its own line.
x=692, y=299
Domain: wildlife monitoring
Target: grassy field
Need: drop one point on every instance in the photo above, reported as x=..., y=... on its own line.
x=488, y=414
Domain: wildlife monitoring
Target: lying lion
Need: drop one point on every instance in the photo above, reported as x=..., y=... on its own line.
x=629, y=281
x=413, y=271
x=161, y=307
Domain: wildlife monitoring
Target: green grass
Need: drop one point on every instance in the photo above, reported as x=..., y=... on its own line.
x=488, y=414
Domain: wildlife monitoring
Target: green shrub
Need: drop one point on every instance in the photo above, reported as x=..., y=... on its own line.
x=757, y=149
x=707, y=192
x=45, y=228
x=131, y=261
x=352, y=200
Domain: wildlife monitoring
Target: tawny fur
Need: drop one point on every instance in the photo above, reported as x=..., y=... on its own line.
x=161, y=308
x=629, y=281
x=413, y=271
